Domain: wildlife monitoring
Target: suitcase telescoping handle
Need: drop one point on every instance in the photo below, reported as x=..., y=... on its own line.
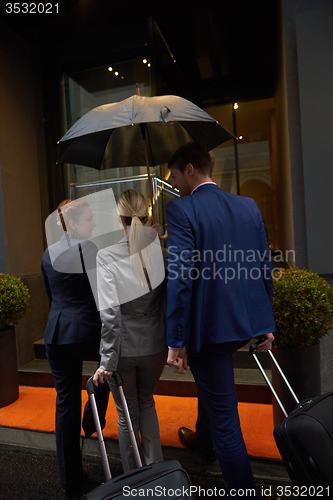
x=102, y=448
x=252, y=350
x=119, y=383
x=90, y=389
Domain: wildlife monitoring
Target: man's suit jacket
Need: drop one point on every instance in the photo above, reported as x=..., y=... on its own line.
x=73, y=315
x=220, y=282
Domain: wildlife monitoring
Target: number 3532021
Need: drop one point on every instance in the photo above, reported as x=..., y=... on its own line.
x=32, y=8
x=303, y=491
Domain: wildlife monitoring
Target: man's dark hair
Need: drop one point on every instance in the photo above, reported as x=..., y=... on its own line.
x=193, y=153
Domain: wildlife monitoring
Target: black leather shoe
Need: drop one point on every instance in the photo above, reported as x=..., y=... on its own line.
x=86, y=486
x=189, y=439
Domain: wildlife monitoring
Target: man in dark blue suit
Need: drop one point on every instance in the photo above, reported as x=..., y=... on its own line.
x=219, y=298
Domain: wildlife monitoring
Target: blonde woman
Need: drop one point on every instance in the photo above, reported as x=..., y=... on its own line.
x=132, y=293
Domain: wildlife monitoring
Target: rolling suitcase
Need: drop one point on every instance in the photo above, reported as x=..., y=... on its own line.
x=305, y=439
x=160, y=479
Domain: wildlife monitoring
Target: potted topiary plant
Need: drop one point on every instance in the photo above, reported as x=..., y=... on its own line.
x=303, y=312
x=14, y=303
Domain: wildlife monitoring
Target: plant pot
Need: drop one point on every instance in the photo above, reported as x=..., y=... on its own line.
x=301, y=367
x=9, y=391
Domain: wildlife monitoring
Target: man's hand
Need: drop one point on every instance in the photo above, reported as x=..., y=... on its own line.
x=101, y=376
x=177, y=360
x=267, y=344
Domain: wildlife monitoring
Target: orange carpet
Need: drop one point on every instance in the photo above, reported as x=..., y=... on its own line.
x=36, y=406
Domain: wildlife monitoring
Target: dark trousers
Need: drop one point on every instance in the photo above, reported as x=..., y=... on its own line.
x=66, y=365
x=218, y=419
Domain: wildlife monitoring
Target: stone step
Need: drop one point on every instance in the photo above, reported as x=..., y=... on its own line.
x=250, y=385
x=39, y=349
x=242, y=359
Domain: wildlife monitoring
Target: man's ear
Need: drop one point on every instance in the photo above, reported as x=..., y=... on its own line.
x=189, y=169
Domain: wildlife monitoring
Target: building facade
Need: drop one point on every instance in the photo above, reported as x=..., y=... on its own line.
x=50, y=77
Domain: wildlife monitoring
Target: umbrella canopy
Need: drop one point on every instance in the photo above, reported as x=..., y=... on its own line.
x=111, y=135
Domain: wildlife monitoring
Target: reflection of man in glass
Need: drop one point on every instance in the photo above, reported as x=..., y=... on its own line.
x=72, y=334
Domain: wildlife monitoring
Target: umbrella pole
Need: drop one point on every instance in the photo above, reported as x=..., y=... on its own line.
x=143, y=133
x=153, y=214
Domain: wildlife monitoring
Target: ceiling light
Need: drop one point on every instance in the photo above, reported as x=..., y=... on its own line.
x=240, y=137
x=110, y=68
x=144, y=61
x=148, y=65
x=116, y=73
x=235, y=105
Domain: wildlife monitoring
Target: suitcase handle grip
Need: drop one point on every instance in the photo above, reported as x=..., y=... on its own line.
x=254, y=347
x=91, y=388
x=118, y=379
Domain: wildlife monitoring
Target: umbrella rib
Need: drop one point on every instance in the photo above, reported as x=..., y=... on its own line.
x=189, y=133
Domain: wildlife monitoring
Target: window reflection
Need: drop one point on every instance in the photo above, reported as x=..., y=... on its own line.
x=255, y=123
x=257, y=158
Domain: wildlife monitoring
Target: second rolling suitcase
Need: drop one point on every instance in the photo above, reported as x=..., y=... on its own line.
x=305, y=439
x=162, y=479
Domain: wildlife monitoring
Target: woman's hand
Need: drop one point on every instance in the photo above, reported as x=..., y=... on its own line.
x=157, y=227
x=101, y=376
